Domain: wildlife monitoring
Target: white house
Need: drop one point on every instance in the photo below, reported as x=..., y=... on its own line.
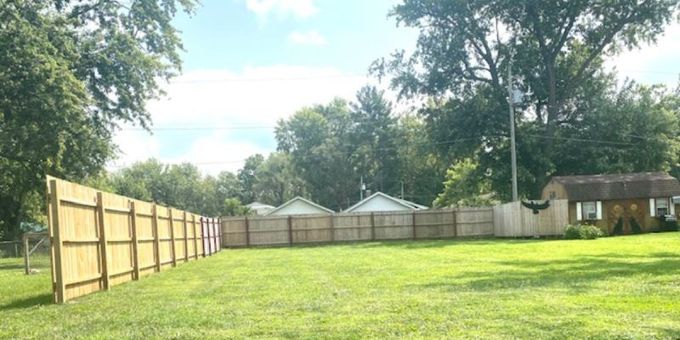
x=260, y=209
x=382, y=202
x=299, y=206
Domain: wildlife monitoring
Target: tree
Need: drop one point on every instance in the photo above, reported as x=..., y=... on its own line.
x=277, y=181
x=233, y=207
x=71, y=71
x=465, y=186
x=247, y=176
x=318, y=142
x=373, y=135
x=464, y=48
x=422, y=169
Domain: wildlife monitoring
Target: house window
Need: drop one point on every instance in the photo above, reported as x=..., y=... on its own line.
x=553, y=195
x=661, y=205
x=589, y=210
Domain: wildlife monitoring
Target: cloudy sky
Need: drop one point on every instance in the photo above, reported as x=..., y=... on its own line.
x=249, y=63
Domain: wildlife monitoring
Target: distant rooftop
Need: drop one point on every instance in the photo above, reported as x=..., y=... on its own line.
x=619, y=186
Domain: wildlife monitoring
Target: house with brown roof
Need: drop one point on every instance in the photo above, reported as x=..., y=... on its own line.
x=619, y=204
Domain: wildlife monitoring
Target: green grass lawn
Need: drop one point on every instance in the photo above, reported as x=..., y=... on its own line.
x=624, y=287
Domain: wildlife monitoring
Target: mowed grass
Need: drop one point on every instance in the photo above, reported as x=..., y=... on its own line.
x=623, y=287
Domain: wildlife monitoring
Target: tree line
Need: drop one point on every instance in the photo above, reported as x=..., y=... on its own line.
x=73, y=71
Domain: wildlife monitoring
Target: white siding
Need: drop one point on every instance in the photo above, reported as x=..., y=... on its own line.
x=299, y=207
x=380, y=203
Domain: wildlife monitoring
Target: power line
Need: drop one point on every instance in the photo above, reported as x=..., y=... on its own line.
x=445, y=142
x=201, y=128
x=246, y=80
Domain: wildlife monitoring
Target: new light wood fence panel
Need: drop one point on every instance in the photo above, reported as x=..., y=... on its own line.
x=165, y=244
x=147, y=258
x=118, y=233
x=100, y=240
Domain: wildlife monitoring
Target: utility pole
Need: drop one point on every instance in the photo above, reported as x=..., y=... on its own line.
x=513, y=152
x=362, y=187
x=402, y=189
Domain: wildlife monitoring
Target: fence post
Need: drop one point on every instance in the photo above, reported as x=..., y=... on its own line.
x=205, y=235
x=27, y=264
x=372, y=226
x=103, y=244
x=193, y=219
x=247, y=232
x=413, y=220
x=156, y=239
x=56, y=244
x=219, y=230
x=332, y=228
x=186, y=237
x=211, y=236
x=172, y=238
x=135, y=241
x=290, y=230
x=455, y=223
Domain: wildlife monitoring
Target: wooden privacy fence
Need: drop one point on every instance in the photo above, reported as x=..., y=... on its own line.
x=514, y=220
x=99, y=239
x=300, y=229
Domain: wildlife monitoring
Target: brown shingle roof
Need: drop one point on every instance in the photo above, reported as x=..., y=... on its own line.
x=621, y=186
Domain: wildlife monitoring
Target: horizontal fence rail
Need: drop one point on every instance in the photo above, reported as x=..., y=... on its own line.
x=398, y=225
x=99, y=239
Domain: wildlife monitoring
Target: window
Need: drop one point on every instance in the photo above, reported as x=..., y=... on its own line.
x=553, y=195
x=589, y=210
x=661, y=205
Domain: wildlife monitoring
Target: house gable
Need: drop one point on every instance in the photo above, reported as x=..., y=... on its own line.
x=299, y=206
x=383, y=202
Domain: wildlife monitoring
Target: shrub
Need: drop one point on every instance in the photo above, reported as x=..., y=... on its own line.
x=582, y=232
x=571, y=232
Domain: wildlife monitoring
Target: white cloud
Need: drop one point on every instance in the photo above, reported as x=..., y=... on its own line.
x=651, y=64
x=134, y=146
x=297, y=8
x=220, y=102
x=312, y=37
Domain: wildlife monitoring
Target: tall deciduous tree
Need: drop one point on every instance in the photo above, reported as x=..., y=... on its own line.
x=373, y=135
x=464, y=49
x=71, y=71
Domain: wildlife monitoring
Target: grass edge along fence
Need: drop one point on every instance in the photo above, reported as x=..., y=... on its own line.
x=99, y=239
x=506, y=220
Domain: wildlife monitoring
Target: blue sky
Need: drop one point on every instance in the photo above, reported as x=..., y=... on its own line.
x=249, y=63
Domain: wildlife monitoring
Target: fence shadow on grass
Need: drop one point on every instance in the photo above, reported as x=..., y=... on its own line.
x=31, y=301
x=578, y=273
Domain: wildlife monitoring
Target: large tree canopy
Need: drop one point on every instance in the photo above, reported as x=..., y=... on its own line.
x=465, y=48
x=71, y=72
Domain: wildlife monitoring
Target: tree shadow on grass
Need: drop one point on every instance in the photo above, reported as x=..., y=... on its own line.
x=577, y=274
x=11, y=266
x=441, y=243
x=31, y=301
